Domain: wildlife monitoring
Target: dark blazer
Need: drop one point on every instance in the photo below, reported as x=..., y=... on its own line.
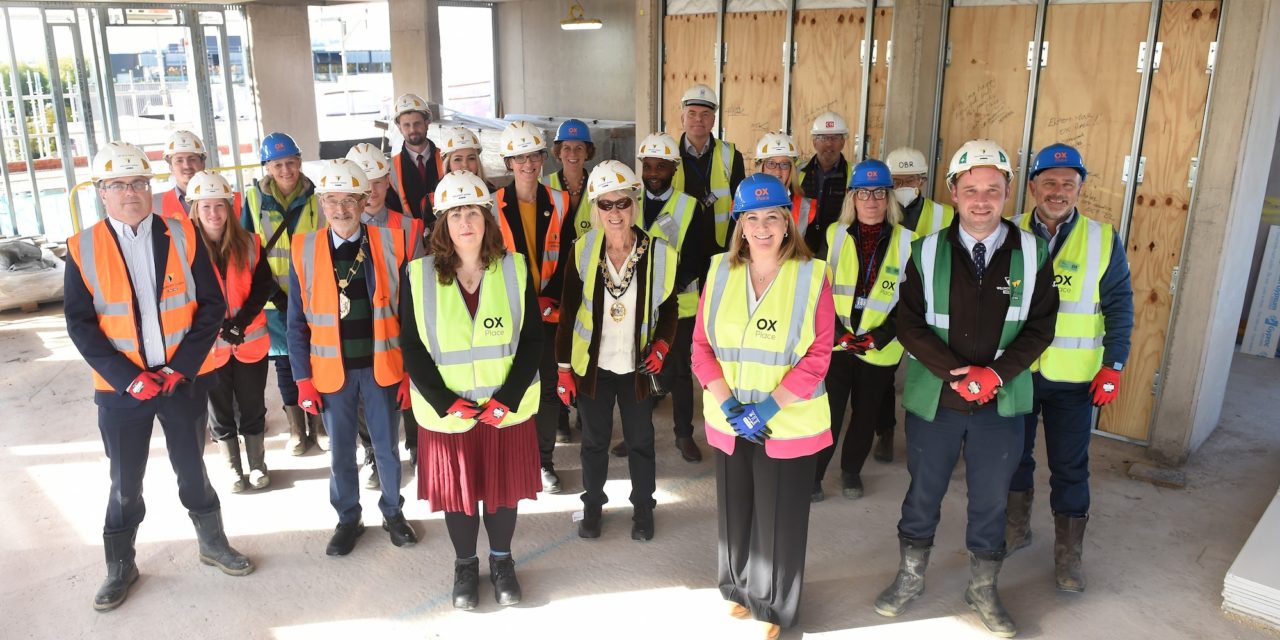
x=510, y=210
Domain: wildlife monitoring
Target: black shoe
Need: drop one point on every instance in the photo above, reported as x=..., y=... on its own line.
x=413, y=457
x=619, y=450
x=121, y=570
x=551, y=481
x=502, y=573
x=344, y=538
x=642, y=525
x=402, y=534
x=563, y=435
x=852, y=488
x=589, y=525
x=466, y=583
x=817, y=495
x=689, y=449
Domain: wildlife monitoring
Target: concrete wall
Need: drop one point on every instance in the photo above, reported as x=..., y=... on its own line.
x=415, y=48
x=547, y=71
x=280, y=43
x=648, y=67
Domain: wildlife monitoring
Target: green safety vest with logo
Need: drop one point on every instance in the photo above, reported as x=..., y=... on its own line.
x=265, y=222
x=842, y=256
x=660, y=278
x=473, y=354
x=932, y=257
x=1075, y=355
x=933, y=216
x=672, y=225
x=721, y=167
x=582, y=216
x=756, y=350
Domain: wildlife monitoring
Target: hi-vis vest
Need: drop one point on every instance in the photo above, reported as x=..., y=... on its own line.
x=756, y=350
x=842, y=256
x=171, y=207
x=106, y=277
x=932, y=257
x=581, y=215
x=265, y=222
x=672, y=225
x=550, y=245
x=1075, y=355
x=313, y=260
x=236, y=285
x=473, y=355
x=397, y=173
x=933, y=217
x=411, y=226
x=718, y=184
x=803, y=211
x=813, y=162
x=660, y=278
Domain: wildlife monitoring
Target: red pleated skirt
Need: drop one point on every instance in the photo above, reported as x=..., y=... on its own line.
x=498, y=467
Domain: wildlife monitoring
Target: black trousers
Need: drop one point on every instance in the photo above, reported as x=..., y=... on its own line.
x=613, y=389
x=552, y=414
x=126, y=436
x=854, y=383
x=888, y=410
x=763, y=511
x=677, y=377
x=236, y=403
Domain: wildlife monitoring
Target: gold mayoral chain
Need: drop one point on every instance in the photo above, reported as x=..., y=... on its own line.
x=617, y=310
x=344, y=303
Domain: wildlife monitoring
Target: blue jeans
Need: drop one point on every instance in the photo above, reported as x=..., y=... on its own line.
x=382, y=416
x=992, y=446
x=1067, y=409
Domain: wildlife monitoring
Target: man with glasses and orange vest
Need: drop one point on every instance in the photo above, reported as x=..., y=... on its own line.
x=418, y=167
x=709, y=169
x=344, y=345
x=143, y=307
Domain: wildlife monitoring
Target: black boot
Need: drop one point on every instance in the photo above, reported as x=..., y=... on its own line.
x=255, y=449
x=884, y=447
x=502, y=573
x=909, y=583
x=589, y=526
x=230, y=450
x=121, y=570
x=642, y=523
x=1067, y=547
x=982, y=597
x=1017, y=520
x=214, y=548
x=466, y=583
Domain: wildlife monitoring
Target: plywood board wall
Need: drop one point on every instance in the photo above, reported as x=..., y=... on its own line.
x=690, y=42
x=879, y=91
x=751, y=104
x=826, y=76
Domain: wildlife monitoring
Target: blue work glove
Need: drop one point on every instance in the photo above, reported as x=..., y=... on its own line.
x=731, y=407
x=752, y=423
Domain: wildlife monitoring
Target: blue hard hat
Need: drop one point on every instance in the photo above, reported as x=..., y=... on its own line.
x=277, y=145
x=760, y=191
x=871, y=174
x=1057, y=156
x=573, y=129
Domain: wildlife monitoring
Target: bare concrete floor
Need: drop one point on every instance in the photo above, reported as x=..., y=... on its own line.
x=1155, y=558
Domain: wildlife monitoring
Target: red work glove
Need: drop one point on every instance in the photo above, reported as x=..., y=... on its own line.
x=493, y=412
x=546, y=306
x=309, y=398
x=145, y=386
x=862, y=344
x=846, y=340
x=403, y=396
x=566, y=386
x=1105, y=386
x=464, y=409
x=657, y=356
x=171, y=380
x=979, y=384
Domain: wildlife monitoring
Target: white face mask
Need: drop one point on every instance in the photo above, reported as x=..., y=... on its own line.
x=906, y=195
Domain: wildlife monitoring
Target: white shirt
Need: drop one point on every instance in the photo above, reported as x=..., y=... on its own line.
x=140, y=258
x=696, y=152
x=753, y=300
x=662, y=197
x=618, y=339
x=992, y=242
x=338, y=240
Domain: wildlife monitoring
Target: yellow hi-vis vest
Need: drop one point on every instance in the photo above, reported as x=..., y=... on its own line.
x=1075, y=355
x=581, y=216
x=661, y=280
x=672, y=225
x=756, y=350
x=474, y=355
x=718, y=183
x=265, y=223
x=933, y=216
x=842, y=256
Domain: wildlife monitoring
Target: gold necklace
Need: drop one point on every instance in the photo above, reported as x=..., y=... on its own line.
x=617, y=310
x=344, y=303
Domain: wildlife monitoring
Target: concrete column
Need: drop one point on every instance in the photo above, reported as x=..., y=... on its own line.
x=1239, y=140
x=280, y=43
x=648, y=67
x=415, y=48
x=917, y=26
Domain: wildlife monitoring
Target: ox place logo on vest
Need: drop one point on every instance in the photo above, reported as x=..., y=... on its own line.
x=766, y=329
x=495, y=326
x=1064, y=276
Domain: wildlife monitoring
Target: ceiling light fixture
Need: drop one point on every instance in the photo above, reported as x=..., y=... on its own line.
x=576, y=21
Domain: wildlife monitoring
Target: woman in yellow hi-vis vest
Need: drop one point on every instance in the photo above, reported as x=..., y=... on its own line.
x=472, y=340
x=761, y=348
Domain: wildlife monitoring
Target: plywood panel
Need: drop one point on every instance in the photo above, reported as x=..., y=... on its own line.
x=752, y=100
x=879, y=91
x=690, y=42
x=1087, y=95
x=826, y=76
x=1159, y=221
x=984, y=93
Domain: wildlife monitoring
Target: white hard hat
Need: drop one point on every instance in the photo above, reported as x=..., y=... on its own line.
x=120, y=160
x=699, y=95
x=371, y=160
x=520, y=138
x=183, y=142
x=342, y=176
x=608, y=176
x=905, y=161
x=829, y=124
x=460, y=188
x=209, y=185
x=772, y=145
x=659, y=145
x=979, y=153
x=412, y=102
x=457, y=139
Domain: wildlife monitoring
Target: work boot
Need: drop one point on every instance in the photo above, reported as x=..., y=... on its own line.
x=402, y=535
x=371, y=463
x=466, y=583
x=982, y=597
x=642, y=523
x=502, y=573
x=297, y=430
x=1067, y=547
x=214, y=549
x=689, y=449
x=551, y=481
x=230, y=450
x=817, y=495
x=851, y=485
x=1017, y=520
x=121, y=570
x=619, y=450
x=589, y=525
x=884, y=447
x=256, y=451
x=909, y=583
x=563, y=435
x=316, y=432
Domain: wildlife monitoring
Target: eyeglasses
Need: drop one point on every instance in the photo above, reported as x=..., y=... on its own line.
x=777, y=166
x=828, y=137
x=121, y=187
x=345, y=203
x=526, y=158
x=867, y=194
x=609, y=205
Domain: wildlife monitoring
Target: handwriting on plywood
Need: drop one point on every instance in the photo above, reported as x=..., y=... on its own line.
x=984, y=106
x=1073, y=130
x=1096, y=202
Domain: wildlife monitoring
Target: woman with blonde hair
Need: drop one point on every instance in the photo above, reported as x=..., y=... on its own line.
x=460, y=151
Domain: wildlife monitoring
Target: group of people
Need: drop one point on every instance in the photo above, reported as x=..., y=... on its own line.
x=409, y=289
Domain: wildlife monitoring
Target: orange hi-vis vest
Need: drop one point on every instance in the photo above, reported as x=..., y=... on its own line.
x=313, y=260
x=398, y=169
x=171, y=207
x=107, y=279
x=236, y=285
x=412, y=227
x=803, y=211
x=551, y=244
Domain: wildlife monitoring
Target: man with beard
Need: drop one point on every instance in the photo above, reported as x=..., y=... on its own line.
x=418, y=167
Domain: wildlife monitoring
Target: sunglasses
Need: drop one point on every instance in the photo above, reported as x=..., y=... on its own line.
x=608, y=205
